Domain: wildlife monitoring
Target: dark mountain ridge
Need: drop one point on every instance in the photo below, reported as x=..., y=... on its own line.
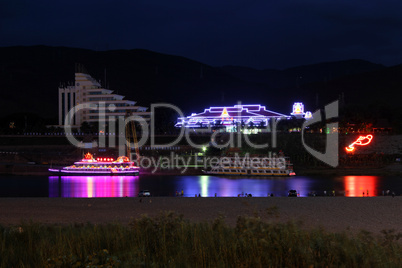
x=30, y=77
x=296, y=76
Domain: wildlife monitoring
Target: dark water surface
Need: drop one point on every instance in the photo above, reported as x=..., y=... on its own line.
x=205, y=186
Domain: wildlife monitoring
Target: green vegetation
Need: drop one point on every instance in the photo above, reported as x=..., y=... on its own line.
x=172, y=241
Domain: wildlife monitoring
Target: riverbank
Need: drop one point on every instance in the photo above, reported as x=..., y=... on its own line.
x=389, y=170
x=335, y=214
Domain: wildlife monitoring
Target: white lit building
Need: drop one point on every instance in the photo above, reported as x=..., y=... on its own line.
x=101, y=104
x=228, y=117
x=298, y=111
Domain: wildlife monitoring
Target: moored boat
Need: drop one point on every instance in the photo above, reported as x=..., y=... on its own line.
x=100, y=166
x=252, y=166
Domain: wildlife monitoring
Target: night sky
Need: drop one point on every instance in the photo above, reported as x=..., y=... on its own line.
x=255, y=33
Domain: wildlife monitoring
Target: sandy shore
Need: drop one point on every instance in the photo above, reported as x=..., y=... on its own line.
x=332, y=213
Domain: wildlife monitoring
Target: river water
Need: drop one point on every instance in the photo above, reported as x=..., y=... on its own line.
x=205, y=186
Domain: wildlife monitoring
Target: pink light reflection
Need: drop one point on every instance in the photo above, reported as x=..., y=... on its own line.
x=95, y=186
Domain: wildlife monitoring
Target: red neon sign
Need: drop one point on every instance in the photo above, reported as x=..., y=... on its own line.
x=361, y=141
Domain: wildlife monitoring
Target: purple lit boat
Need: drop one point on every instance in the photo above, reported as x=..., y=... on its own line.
x=100, y=166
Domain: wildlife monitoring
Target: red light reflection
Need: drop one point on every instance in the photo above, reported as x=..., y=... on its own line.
x=359, y=186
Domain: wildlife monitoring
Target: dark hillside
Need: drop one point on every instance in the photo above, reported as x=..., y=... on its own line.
x=30, y=77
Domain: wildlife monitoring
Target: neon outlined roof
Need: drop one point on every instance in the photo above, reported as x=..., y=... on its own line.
x=237, y=113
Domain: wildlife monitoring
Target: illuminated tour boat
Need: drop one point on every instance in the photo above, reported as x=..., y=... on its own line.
x=252, y=166
x=100, y=106
x=100, y=166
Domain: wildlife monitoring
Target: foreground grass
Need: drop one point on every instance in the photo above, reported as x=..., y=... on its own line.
x=172, y=241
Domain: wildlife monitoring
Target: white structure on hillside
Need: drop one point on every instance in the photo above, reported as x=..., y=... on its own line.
x=102, y=104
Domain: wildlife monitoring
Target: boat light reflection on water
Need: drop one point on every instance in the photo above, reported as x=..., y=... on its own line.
x=205, y=185
x=358, y=186
x=92, y=186
x=208, y=186
x=350, y=186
